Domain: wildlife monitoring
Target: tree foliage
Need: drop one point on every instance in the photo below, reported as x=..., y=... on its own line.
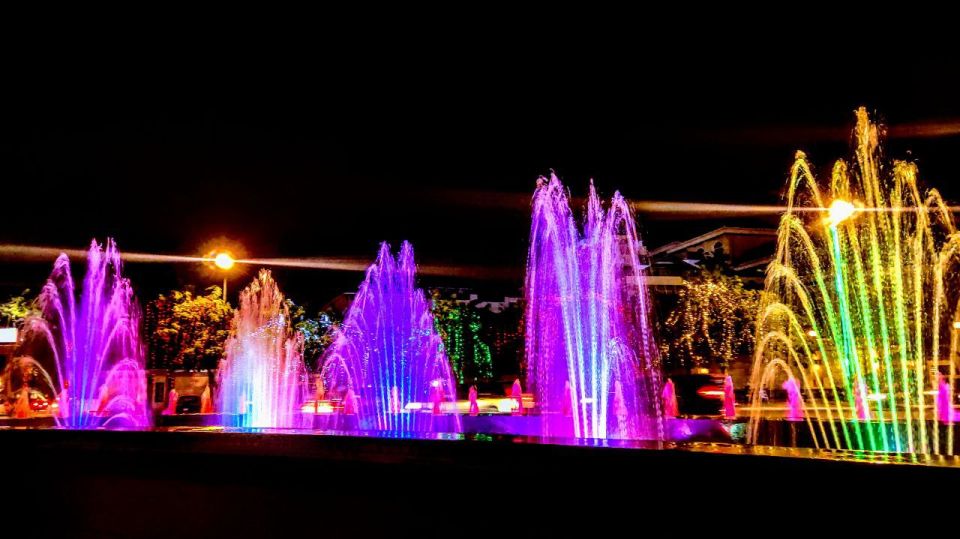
x=187, y=330
x=15, y=310
x=318, y=331
x=712, y=322
x=459, y=326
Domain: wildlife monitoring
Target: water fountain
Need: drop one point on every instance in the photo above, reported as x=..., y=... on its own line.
x=387, y=359
x=859, y=303
x=262, y=378
x=588, y=321
x=94, y=345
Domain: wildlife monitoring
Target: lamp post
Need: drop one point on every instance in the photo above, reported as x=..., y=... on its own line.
x=225, y=262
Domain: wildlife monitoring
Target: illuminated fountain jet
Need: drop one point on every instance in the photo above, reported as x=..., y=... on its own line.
x=860, y=304
x=388, y=357
x=591, y=359
x=94, y=344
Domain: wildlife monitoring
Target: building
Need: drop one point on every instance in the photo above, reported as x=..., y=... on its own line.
x=738, y=251
x=8, y=345
x=464, y=296
x=742, y=251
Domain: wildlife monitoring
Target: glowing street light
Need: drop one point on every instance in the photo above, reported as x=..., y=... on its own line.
x=840, y=211
x=224, y=261
x=221, y=256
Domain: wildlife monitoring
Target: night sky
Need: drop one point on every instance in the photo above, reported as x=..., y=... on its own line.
x=328, y=154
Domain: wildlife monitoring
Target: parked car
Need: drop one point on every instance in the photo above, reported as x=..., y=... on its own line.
x=699, y=394
x=188, y=404
x=38, y=402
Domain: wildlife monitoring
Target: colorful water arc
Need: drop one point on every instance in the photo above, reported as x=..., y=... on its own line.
x=262, y=380
x=95, y=344
x=591, y=359
x=387, y=361
x=859, y=302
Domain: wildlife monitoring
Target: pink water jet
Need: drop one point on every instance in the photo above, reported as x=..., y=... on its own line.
x=669, y=397
x=794, y=399
x=395, y=405
x=171, y=408
x=729, y=399
x=350, y=403
x=436, y=396
x=860, y=402
x=516, y=392
x=472, y=397
x=206, y=401
x=945, y=410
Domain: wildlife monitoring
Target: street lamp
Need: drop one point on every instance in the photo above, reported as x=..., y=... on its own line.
x=840, y=211
x=225, y=262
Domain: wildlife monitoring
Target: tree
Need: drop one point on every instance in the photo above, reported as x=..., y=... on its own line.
x=504, y=330
x=459, y=326
x=188, y=331
x=318, y=332
x=17, y=309
x=712, y=322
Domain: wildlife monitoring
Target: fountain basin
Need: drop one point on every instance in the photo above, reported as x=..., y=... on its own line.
x=697, y=429
x=214, y=483
x=798, y=433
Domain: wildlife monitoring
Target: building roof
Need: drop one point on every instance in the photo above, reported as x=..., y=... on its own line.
x=751, y=264
x=677, y=246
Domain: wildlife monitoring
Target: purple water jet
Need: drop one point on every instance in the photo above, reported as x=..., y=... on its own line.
x=387, y=360
x=588, y=320
x=95, y=344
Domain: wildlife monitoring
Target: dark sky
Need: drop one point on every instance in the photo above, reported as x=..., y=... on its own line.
x=329, y=152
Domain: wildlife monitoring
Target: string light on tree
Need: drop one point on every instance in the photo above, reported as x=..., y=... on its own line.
x=711, y=323
x=460, y=328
